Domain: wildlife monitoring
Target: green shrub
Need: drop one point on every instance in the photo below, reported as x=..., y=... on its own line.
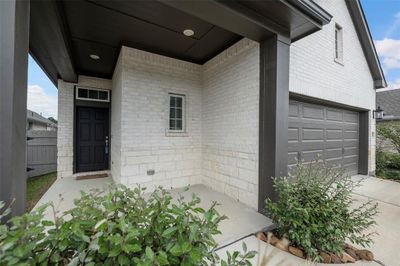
x=314, y=210
x=391, y=133
x=117, y=227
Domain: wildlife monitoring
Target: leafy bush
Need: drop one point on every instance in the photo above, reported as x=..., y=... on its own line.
x=391, y=133
x=387, y=164
x=117, y=227
x=314, y=210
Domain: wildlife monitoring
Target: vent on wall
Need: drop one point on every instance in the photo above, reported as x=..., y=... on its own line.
x=91, y=94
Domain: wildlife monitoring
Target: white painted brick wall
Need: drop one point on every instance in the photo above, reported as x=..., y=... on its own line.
x=65, y=131
x=230, y=122
x=145, y=143
x=314, y=72
x=116, y=113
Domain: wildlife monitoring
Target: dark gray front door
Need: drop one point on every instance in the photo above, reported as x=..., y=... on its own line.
x=91, y=139
x=332, y=133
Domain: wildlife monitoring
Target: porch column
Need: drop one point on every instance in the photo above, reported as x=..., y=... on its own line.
x=274, y=108
x=14, y=48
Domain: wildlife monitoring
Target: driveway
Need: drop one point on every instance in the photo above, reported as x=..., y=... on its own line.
x=387, y=194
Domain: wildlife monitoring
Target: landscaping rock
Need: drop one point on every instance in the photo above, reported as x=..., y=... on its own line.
x=326, y=258
x=352, y=253
x=335, y=259
x=272, y=239
x=365, y=254
x=296, y=251
x=262, y=237
x=283, y=244
x=347, y=258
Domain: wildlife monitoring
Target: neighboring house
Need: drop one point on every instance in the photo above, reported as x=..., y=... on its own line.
x=389, y=102
x=35, y=121
x=221, y=93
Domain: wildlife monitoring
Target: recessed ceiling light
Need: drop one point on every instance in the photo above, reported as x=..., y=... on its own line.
x=188, y=32
x=94, y=56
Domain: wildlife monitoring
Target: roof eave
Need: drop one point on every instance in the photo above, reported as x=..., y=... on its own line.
x=311, y=10
x=367, y=43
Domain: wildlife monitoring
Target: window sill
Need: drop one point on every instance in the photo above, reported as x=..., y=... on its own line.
x=340, y=62
x=176, y=134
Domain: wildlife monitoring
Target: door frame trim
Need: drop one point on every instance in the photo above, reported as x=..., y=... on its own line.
x=93, y=104
x=363, y=133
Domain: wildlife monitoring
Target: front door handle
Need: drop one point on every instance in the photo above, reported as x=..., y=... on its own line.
x=106, y=148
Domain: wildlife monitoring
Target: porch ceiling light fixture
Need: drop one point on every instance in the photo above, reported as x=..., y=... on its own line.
x=94, y=56
x=188, y=32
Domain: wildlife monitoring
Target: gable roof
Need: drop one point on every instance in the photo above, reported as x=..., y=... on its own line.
x=364, y=34
x=389, y=101
x=32, y=116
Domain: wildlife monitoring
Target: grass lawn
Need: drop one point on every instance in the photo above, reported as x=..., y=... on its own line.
x=35, y=188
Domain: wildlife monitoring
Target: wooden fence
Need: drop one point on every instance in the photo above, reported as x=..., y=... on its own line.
x=41, y=152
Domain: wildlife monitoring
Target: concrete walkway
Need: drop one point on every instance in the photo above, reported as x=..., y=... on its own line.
x=387, y=194
x=241, y=221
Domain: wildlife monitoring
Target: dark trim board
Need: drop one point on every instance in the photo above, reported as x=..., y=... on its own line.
x=94, y=104
x=14, y=48
x=310, y=99
x=273, y=118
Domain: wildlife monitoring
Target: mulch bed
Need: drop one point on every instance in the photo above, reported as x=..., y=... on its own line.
x=350, y=254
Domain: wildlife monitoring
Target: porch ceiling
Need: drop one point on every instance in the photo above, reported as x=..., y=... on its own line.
x=64, y=33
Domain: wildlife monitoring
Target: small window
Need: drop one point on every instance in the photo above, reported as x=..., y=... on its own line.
x=176, y=113
x=338, y=43
x=89, y=94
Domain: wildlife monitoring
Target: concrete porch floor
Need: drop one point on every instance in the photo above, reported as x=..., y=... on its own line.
x=244, y=220
x=241, y=221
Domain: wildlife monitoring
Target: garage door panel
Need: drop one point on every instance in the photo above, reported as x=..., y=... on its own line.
x=293, y=134
x=331, y=144
x=317, y=130
x=307, y=146
x=351, y=151
x=309, y=156
x=292, y=158
x=334, y=115
x=313, y=134
x=305, y=123
x=334, y=134
x=351, y=117
x=313, y=112
x=333, y=153
x=350, y=134
x=350, y=143
x=294, y=110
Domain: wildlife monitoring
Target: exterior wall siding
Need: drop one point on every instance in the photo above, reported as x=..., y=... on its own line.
x=313, y=71
x=230, y=122
x=146, y=144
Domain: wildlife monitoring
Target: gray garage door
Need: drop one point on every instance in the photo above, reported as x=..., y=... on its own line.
x=329, y=132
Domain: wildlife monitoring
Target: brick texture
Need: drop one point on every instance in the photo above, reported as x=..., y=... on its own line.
x=313, y=71
x=219, y=147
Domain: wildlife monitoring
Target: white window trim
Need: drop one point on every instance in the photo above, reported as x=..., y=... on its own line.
x=338, y=45
x=89, y=99
x=172, y=132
